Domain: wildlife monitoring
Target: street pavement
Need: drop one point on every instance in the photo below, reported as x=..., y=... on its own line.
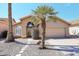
x=29, y=47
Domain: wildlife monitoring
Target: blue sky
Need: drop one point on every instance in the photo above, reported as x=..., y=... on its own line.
x=65, y=11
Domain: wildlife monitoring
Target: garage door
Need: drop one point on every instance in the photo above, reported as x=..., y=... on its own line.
x=55, y=32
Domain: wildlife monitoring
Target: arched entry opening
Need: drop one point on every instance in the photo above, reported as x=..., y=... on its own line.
x=29, y=27
x=4, y=34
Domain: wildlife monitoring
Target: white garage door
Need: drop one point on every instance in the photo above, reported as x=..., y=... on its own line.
x=55, y=32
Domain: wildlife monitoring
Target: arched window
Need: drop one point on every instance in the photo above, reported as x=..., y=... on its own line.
x=18, y=30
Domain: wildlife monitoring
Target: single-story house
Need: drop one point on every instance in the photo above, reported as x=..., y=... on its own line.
x=74, y=28
x=58, y=28
x=4, y=26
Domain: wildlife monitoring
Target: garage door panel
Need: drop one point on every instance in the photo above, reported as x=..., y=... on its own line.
x=55, y=32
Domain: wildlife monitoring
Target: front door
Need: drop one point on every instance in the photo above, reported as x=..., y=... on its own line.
x=29, y=32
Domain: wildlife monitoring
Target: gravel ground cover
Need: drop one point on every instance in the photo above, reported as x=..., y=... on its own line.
x=54, y=48
x=33, y=50
x=10, y=49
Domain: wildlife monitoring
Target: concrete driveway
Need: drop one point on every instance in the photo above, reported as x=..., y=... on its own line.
x=64, y=41
x=72, y=41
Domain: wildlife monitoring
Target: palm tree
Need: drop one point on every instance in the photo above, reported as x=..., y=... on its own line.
x=43, y=12
x=10, y=37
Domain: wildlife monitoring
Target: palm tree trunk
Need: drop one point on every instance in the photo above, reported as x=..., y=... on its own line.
x=10, y=37
x=43, y=34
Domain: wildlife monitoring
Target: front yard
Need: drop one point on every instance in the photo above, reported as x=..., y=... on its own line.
x=29, y=47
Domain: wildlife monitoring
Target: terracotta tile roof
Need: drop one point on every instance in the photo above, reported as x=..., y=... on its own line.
x=56, y=17
x=6, y=20
x=65, y=21
x=25, y=17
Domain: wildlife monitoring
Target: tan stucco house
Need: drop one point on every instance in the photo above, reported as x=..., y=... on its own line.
x=59, y=28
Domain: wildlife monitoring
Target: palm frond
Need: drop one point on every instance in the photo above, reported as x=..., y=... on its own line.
x=44, y=10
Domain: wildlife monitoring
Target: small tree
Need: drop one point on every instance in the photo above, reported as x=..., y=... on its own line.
x=35, y=28
x=42, y=12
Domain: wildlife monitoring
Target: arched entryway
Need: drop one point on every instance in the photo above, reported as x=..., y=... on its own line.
x=3, y=34
x=29, y=27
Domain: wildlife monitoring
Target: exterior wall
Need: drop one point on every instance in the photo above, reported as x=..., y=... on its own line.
x=56, y=29
x=24, y=29
x=67, y=31
x=53, y=29
x=4, y=25
x=23, y=24
x=14, y=30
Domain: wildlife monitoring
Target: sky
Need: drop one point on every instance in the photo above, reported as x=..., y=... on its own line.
x=66, y=11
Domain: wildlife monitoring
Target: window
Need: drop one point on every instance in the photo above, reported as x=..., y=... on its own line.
x=18, y=30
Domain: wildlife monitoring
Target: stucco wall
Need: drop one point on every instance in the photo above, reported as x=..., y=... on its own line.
x=53, y=29
x=56, y=29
